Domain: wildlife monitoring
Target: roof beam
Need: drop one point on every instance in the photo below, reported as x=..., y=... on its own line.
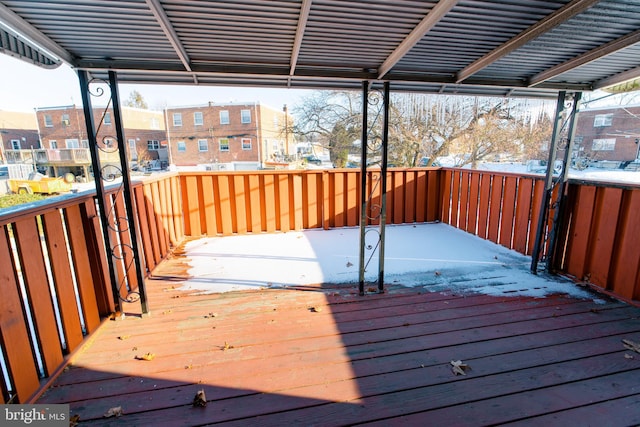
x=427, y=23
x=590, y=56
x=556, y=18
x=625, y=76
x=33, y=35
x=302, y=25
x=170, y=32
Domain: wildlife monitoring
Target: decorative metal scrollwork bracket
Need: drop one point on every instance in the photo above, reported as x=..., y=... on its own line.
x=109, y=163
x=373, y=183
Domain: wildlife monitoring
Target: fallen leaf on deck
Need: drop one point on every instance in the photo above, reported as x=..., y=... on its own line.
x=349, y=264
x=630, y=345
x=200, y=400
x=226, y=346
x=124, y=337
x=628, y=356
x=437, y=273
x=372, y=290
x=147, y=356
x=315, y=309
x=188, y=366
x=166, y=312
x=176, y=296
x=113, y=412
x=74, y=420
x=459, y=368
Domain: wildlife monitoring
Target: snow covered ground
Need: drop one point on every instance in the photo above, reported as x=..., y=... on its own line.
x=435, y=256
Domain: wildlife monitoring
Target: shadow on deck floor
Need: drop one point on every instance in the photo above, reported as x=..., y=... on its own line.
x=314, y=355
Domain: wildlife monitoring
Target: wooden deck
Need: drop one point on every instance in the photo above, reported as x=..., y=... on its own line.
x=326, y=356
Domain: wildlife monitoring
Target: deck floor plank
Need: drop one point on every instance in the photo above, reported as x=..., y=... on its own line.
x=314, y=355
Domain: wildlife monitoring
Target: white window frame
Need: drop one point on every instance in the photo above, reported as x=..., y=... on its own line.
x=66, y=121
x=181, y=146
x=177, y=119
x=223, y=141
x=107, y=118
x=245, y=116
x=133, y=150
x=48, y=121
x=224, y=117
x=53, y=144
x=203, y=145
x=602, y=120
x=198, y=118
x=72, y=143
x=603, y=144
x=246, y=143
x=15, y=144
x=153, y=145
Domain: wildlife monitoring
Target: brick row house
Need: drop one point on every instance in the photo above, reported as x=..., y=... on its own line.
x=64, y=141
x=608, y=135
x=235, y=136
x=18, y=131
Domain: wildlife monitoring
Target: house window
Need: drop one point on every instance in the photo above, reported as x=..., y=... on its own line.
x=84, y=143
x=224, y=117
x=153, y=145
x=177, y=119
x=182, y=146
x=245, y=116
x=15, y=144
x=275, y=121
x=65, y=120
x=107, y=118
x=203, y=145
x=53, y=144
x=608, y=144
x=246, y=143
x=198, y=120
x=133, y=152
x=224, y=144
x=48, y=121
x=602, y=120
x=72, y=143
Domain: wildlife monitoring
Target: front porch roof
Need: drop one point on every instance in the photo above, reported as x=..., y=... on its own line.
x=494, y=47
x=319, y=354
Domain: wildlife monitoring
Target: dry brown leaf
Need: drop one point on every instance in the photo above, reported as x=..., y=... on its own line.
x=147, y=356
x=628, y=356
x=166, y=312
x=74, y=420
x=227, y=346
x=630, y=345
x=372, y=289
x=458, y=367
x=437, y=273
x=349, y=264
x=315, y=309
x=113, y=412
x=124, y=337
x=200, y=400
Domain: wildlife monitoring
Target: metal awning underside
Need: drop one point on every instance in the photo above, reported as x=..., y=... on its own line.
x=483, y=47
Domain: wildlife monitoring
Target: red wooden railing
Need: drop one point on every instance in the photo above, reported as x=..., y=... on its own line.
x=54, y=277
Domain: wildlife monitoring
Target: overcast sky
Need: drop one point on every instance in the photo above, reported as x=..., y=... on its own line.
x=24, y=86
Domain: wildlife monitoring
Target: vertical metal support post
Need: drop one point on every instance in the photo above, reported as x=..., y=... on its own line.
x=563, y=186
x=548, y=187
x=95, y=163
x=128, y=197
x=383, y=178
x=363, y=184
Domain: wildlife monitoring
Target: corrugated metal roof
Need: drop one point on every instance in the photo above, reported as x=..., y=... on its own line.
x=494, y=47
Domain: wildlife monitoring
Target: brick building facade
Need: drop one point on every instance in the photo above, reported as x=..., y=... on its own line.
x=18, y=131
x=245, y=135
x=611, y=134
x=64, y=127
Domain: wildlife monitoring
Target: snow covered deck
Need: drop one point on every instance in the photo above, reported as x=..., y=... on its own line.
x=296, y=345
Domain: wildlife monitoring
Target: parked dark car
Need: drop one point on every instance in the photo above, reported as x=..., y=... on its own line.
x=313, y=159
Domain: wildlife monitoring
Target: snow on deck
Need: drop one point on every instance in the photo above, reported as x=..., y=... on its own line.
x=435, y=256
